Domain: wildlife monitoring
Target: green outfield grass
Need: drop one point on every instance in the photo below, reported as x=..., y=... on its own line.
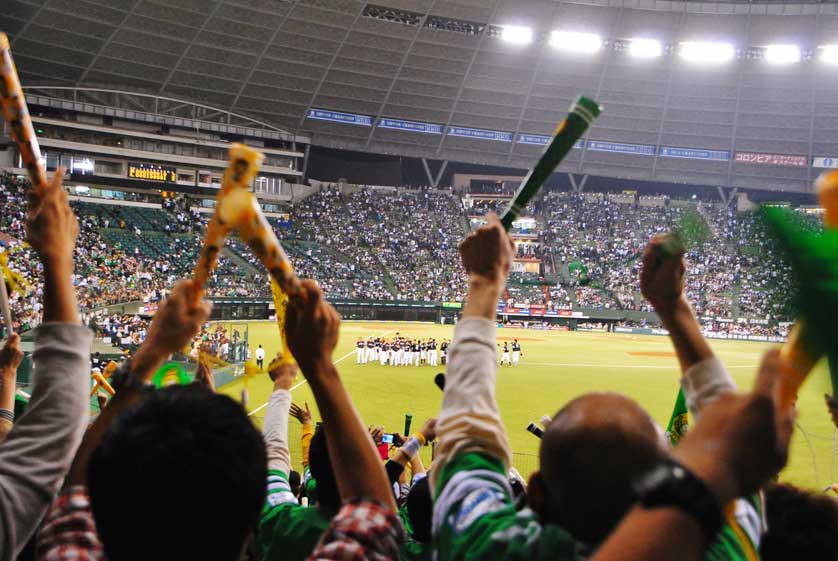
x=556, y=367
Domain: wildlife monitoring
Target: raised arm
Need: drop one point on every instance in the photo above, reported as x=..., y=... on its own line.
x=275, y=427
x=10, y=358
x=304, y=416
x=740, y=442
x=408, y=453
x=662, y=284
x=312, y=329
x=470, y=418
x=36, y=454
x=366, y=527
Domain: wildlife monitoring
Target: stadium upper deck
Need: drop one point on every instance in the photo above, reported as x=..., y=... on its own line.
x=713, y=93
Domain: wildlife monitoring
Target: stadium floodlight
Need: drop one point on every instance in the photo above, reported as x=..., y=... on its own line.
x=516, y=34
x=575, y=42
x=829, y=54
x=645, y=48
x=707, y=52
x=782, y=54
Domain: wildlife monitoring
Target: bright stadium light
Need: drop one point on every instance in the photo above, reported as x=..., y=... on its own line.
x=829, y=54
x=516, y=34
x=645, y=48
x=575, y=42
x=707, y=52
x=782, y=54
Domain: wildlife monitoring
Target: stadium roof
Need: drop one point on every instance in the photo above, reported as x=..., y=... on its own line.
x=450, y=79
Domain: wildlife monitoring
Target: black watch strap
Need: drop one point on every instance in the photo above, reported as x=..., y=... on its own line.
x=670, y=484
x=123, y=379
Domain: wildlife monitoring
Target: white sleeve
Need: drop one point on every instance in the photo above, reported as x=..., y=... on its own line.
x=37, y=453
x=275, y=431
x=704, y=381
x=470, y=419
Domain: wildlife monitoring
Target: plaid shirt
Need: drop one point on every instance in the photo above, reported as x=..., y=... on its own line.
x=69, y=532
x=363, y=530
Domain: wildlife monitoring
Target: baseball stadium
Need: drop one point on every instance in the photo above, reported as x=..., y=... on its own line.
x=442, y=280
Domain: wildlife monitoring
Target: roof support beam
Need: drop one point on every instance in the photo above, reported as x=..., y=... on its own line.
x=434, y=180
x=107, y=42
x=398, y=74
x=670, y=73
x=331, y=63
x=536, y=68
x=740, y=78
x=495, y=5
x=268, y=43
x=577, y=185
x=191, y=42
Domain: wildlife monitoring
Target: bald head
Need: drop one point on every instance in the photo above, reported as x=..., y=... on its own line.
x=591, y=451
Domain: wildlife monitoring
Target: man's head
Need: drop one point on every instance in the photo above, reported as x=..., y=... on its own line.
x=320, y=465
x=181, y=475
x=592, y=450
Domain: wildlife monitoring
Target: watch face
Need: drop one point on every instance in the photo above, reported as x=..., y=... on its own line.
x=656, y=477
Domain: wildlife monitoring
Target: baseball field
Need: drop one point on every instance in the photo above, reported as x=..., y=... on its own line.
x=555, y=367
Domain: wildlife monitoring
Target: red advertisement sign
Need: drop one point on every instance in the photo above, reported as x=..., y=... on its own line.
x=771, y=159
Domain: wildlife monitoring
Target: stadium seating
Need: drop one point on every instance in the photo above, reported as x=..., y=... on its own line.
x=388, y=245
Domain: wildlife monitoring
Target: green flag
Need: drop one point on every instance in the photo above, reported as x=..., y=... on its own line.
x=679, y=422
x=581, y=269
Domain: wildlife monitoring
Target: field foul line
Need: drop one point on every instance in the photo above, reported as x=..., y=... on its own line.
x=295, y=386
x=585, y=365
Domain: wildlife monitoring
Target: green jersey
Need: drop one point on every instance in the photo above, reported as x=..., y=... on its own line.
x=287, y=531
x=475, y=520
x=739, y=538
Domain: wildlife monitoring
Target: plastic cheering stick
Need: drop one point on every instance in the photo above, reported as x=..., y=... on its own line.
x=241, y=209
x=239, y=175
x=582, y=114
x=17, y=115
x=280, y=299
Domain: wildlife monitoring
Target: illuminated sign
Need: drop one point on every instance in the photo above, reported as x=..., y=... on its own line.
x=412, y=126
x=340, y=117
x=483, y=134
x=150, y=172
x=828, y=162
x=694, y=153
x=772, y=159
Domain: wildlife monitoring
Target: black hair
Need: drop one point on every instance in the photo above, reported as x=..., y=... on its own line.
x=180, y=475
x=801, y=525
x=320, y=465
x=420, y=510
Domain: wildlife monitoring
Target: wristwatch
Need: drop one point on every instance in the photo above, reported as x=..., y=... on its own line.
x=669, y=484
x=123, y=379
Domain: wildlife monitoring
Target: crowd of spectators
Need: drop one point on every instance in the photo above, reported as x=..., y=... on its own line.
x=735, y=272
x=376, y=244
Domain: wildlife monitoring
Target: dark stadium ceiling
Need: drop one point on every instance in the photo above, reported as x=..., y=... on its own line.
x=444, y=63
